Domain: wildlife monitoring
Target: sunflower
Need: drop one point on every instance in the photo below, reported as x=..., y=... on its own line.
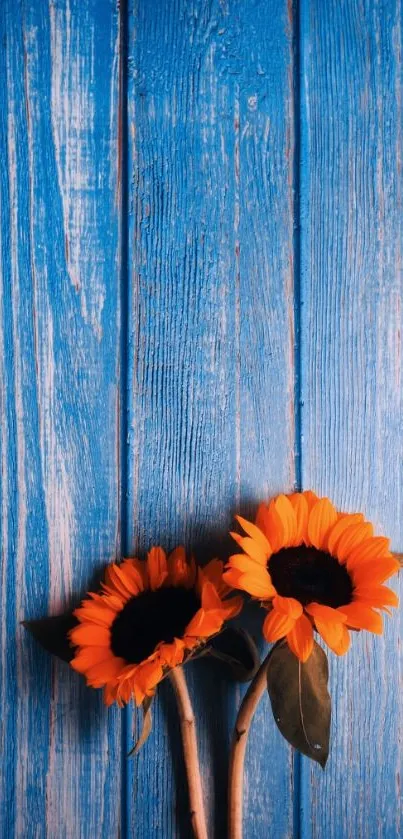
x=312, y=566
x=150, y=617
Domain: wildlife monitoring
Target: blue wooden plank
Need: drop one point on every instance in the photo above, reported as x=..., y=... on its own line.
x=59, y=326
x=351, y=288
x=210, y=427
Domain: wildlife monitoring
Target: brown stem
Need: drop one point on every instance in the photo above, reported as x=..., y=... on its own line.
x=188, y=731
x=239, y=742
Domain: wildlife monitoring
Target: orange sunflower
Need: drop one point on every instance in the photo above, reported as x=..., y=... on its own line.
x=312, y=566
x=150, y=617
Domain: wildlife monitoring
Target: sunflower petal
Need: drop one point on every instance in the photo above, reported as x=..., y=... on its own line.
x=180, y=571
x=196, y=622
x=257, y=585
x=262, y=520
x=86, y=634
x=244, y=563
x=233, y=578
x=377, y=547
x=300, y=638
x=214, y=572
x=335, y=635
x=325, y=613
x=88, y=656
x=126, y=690
x=110, y=692
x=94, y=614
x=127, y=687
x=130, y=578
x=300, y=507
x=232, y=607
x=116, y=583
x=360, y=616
x=129, y=670
x=99, y=674
x=132, y=690
x=172, y=654
x=287, y=606
x=262, y=591
x=256, y=534
x=255, y=572
x=376, y=596
x=251, y=548
x=209, y=596
x=112, y=601
x=353, y=536
x=311, y=498
x=278, y=522
x=157, y=567
x=276, y=625
x=133, y=571
x=204, y=624
x=148, y=674
x=321, y=518
x=344, y=521
x=287, y=515
x=140, y=566
x=374, y=572
x=345, y=642
x=273, y=526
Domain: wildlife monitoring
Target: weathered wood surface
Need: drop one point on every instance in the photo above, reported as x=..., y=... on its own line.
x=351, y=289
x=211, y=422
x=167, y=224
x=59, y=427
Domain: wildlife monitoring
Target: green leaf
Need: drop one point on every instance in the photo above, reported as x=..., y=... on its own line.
x=237, y=649
x=146, y=727
x=300, y=700
x=52, y=634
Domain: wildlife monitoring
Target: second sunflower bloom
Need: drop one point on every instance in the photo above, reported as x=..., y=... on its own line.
x=313, y=566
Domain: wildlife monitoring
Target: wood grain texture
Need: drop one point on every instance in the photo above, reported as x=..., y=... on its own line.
x=214, y=279
x=351, y=289
x=59, y=357
x=210, y=344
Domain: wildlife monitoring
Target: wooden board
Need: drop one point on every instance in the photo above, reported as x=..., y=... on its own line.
x=200, y=306
x=211, y=424
x=351, y=289
x=59, y=357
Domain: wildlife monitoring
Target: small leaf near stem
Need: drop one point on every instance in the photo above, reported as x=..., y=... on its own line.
x=146, y=727
x=300, y=700
x=188, y=731
x=52, y=634
x=238, y=748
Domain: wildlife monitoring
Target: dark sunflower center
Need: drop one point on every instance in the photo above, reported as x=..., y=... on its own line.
x=150, y=618
x=310, y=576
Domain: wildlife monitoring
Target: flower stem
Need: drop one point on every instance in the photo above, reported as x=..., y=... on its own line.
x=188, y=731
x=239, y=742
